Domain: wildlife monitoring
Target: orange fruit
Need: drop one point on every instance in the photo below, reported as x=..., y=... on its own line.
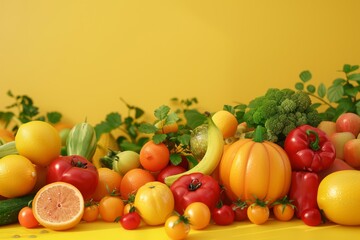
x=17, y=176
x=226, y=122
x=154, y=157
x=58, y=206
x=109, y=182
x=133, y=180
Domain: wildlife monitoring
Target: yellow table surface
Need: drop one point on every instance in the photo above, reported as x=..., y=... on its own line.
x=273, y=229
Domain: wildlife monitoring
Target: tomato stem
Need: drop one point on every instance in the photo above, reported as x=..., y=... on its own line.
x=194, y=184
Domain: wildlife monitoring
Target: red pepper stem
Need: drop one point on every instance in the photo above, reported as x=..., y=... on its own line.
x=314, y=145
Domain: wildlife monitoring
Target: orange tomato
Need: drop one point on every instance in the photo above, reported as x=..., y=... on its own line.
x=283, y=212
x=250, y=170
x=91, y=213
x=111, y=208
x=154, y=157
x=109, y=182
x=133, y=180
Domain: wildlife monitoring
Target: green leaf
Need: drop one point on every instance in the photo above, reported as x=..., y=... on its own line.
x=347, y=68
x=354, y=68
x=126, y=145
x=305, y=76
x=354, y=77
x=175, y=159
x=113, y=120
x=299, y=86
x=101, y=128
x=161, y=112
x=311, y=88
x=147, y=128
x=184, y=139
x=350, y=90
x=315, y=105
x=321, y=90
x=194, y=118
x=138, y=112
x=53, y=117
x=357, y=108
x=335, y=93
x=192, y=160
x=159, y=138
x=339, y=81
x=171, y=118
x=345, y=105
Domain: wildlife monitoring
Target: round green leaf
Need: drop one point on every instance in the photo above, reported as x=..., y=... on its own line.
x=311, y=88
x=299, y=86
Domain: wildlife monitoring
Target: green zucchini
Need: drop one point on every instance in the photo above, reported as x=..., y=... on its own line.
x=82, y=141
x=10, y=208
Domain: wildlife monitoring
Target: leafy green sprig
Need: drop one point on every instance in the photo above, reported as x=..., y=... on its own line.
x=23, y=110
x=130, y=137
x=340, y=97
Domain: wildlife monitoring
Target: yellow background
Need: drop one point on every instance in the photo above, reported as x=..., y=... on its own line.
x=80, y=57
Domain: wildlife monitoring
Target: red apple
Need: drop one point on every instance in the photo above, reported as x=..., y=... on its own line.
x=348, y=122
x=339, y=139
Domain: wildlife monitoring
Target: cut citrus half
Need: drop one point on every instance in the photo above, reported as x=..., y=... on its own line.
x=58, y=206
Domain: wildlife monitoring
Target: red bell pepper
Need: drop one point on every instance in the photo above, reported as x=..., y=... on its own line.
x=309, y=149
x=303, y=191
x=195, y=187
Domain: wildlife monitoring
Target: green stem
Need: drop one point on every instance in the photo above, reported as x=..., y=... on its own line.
x=259, y=134
x=8, y=149
x=314, y=145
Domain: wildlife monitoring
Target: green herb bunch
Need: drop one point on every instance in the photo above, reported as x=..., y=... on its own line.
x=340, y=97
x=24, y=110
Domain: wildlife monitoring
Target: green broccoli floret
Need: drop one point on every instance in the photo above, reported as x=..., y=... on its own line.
x=280, y=111
x=302, y=101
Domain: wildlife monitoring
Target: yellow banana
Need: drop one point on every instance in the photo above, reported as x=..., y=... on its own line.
x=212, y=156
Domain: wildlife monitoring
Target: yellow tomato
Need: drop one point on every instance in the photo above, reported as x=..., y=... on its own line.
x=339, y=197
x=39, y=141
x=154, y=202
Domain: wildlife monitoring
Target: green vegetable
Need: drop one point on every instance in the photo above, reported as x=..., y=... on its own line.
x=340, y=97
x=81, y=141
x=280, y=111
x=10, y=208
x=7, y=149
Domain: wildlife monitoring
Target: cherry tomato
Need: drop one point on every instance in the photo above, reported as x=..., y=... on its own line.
x=26, y=218
x=258, y=213
x=240, y=210
x=223, y=215
x=177, y=227
x=91, y=213
x=130, y=220
x=199, y=215
x=283, y=212
x=311, y=217
x=111, y=208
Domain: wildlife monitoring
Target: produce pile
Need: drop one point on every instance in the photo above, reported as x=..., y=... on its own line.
x=278, y=156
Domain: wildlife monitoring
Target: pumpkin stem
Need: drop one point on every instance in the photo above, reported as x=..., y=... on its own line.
x=259, y=134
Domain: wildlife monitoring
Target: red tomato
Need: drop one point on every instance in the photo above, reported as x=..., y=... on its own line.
x=195, y=187
x=168, y=171
x=223, y=215
x=311, y=217
x=26, y=218
x=75, y=170
x=240, y=210
x=130, y=220
x=348, y=122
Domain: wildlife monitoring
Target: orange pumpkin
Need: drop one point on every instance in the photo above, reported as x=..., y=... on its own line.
x=255, y=169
